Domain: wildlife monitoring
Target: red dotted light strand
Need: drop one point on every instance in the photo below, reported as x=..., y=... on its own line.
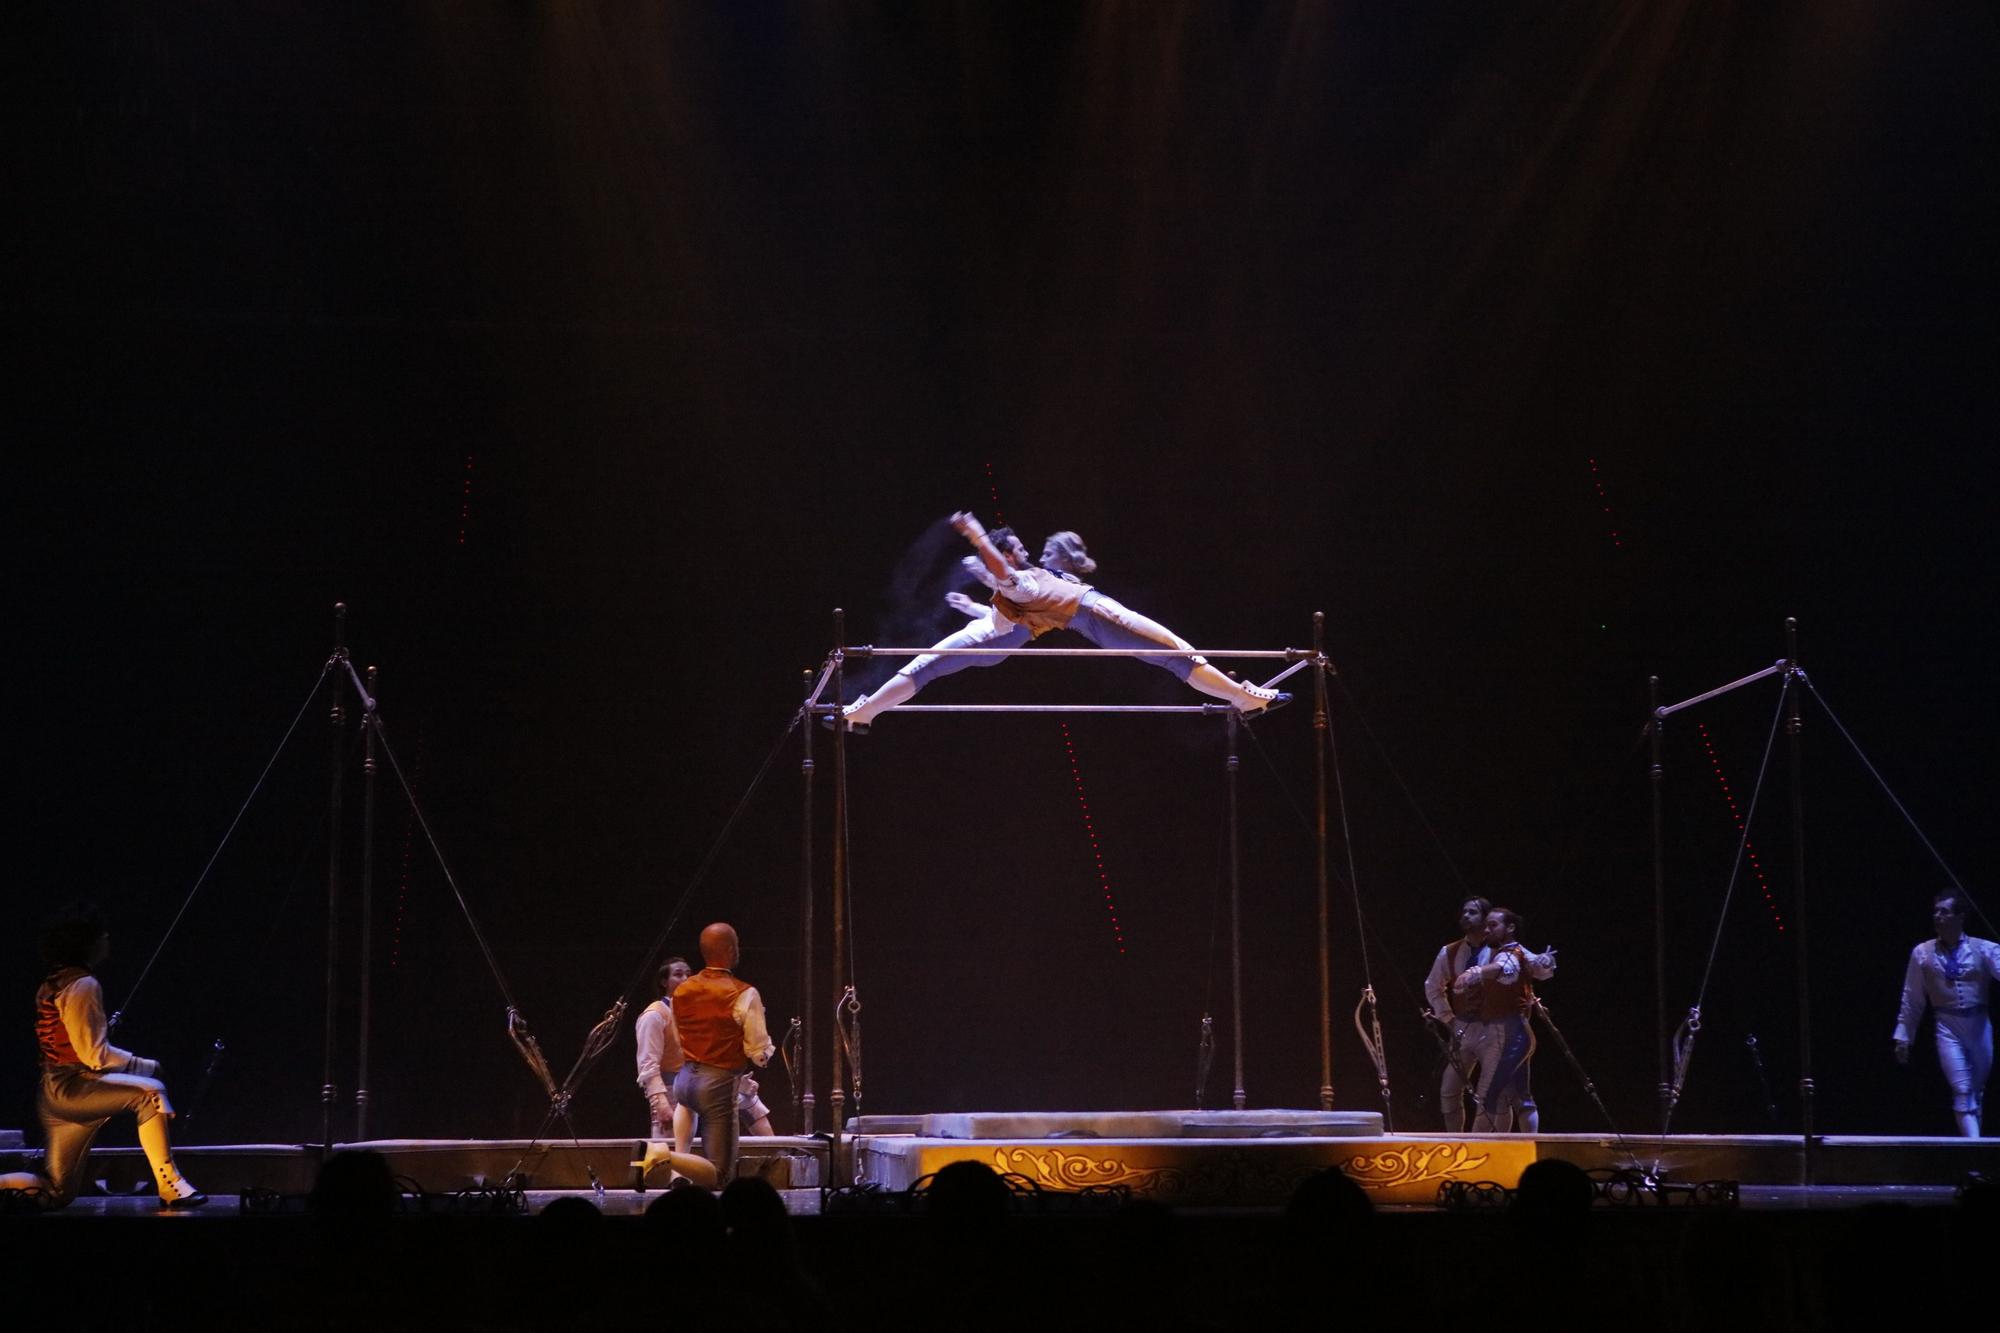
x=1090, y=830
x=1075, y=772
x=465, y=501
x=1736, y=817
x=1604, y=503
x=993, y=489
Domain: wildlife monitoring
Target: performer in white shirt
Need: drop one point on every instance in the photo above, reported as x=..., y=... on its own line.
x=1954, y=975
x=1461, y=1028
x=659, y=1061
x=85, y=1079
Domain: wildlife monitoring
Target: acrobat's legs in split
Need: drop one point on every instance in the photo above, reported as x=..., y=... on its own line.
x=986, y=632
x=1111, y=624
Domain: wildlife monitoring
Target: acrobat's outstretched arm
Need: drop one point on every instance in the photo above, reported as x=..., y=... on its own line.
x=964, y=605
x=970, y=528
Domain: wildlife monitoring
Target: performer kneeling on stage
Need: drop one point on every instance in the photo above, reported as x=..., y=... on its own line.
x=1029, y=602
x=85, y=1079
x=722, y=1032
x=1502, y=992
x=1953, y=974
x=1461, y=1026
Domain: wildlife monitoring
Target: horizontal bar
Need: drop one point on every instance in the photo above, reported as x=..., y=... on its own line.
x=1211, y=709
x=1751, y=679
x=870, y=650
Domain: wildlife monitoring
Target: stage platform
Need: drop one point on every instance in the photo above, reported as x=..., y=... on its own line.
x=1247, y=1159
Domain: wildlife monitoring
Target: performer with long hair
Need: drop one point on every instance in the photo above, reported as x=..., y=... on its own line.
x=85, y=1079
x=1029, y=602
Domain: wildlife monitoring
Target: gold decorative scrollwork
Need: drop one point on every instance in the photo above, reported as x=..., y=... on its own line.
x=1229, y=1175
x=1412, y=1166
x=1054, y=1169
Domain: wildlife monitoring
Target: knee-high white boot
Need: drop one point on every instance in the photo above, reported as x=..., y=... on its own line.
x=898, y=689
x=175, y=1191
x=1246, y=698
x=1968, y=1124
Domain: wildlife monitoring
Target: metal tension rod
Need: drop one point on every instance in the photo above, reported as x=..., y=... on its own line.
x=1776, y=668
x=1209, y=709
x=1285, y=654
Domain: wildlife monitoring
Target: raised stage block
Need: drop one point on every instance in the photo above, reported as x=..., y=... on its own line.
x=1152, y=1124
x=1213, y=1171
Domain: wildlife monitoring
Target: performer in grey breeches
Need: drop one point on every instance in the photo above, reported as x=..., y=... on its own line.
x=710, y=1092
x=986, y=632
x=1503, y=991
x=1462, y=1030
x=74, y=1105
x=1502, y=1049
x=1965, y=1050
x=1954, y=975
x=1112, y=624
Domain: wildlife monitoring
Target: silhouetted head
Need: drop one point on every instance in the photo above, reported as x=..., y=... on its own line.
x=691, y=1219
x=969, y=1194
x=753, y=1214
x=355, y=1185
x=719, y=947
x=1553, y=1188
x=75, y=936
x=1326, y=1203
x=569, y=1211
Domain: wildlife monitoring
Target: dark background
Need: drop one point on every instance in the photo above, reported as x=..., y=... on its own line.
x=593, y=353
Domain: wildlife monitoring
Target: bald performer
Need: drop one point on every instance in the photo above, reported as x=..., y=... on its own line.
x=722, y=1031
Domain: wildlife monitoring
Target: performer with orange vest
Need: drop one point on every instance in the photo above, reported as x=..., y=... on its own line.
x=85, y=1079
x=1502, y=991
x=1029, y=602
x=720, y=1019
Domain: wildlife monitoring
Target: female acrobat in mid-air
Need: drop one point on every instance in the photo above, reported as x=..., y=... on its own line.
x=1030, y=601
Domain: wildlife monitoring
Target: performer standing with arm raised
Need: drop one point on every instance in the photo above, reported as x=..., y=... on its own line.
x=1953, y=974
x=985, y=630
x=1502, y=989
x=1461, y=1030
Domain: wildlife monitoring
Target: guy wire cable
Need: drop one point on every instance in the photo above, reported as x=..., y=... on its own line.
x=111, y=1024
x=1956, y=886
x=586, y=1061
x=1692, y=1024
x=1354, y=705
x=1305, y=826
x=1371, y=1043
